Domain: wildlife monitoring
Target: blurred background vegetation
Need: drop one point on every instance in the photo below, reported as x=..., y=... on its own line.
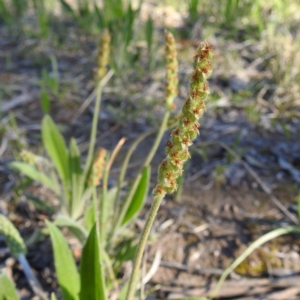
x=258, y=73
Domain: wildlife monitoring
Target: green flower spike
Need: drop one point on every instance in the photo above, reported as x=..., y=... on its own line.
x=182, y=137
x=103, y=56
x=172, y=70
x=12, y=237
x=176, y=149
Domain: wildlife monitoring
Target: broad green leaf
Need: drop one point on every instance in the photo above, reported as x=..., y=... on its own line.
x=34, y=174
x=65, y=267
x=139, y=196
x=7, y=289
x=56, y=147
x=91, y=273
x=77, y=183
x=77, y=230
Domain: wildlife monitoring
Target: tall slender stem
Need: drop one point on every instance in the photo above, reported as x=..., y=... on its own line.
x=94, y=129
x=133, y=188
x=141, y=247
x=126, y=162
x=100, y=86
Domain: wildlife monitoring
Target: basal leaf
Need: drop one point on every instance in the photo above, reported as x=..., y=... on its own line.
x=77, y=183
x=89, y=217
x=66, y=270
x=34, y=174
x=78, y=231
x=56, y=147
x=91, y=273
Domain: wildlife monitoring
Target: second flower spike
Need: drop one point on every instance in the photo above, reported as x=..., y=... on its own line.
x=172, y=70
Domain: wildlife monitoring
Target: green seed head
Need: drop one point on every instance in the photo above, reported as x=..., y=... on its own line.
x=28, y=157
x=98, y=167
x=103, y=55
x=12, y=237
x=188, y=128
x=172, y=70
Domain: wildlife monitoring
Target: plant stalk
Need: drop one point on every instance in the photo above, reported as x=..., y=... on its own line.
x=100, y=86
x=141, y=247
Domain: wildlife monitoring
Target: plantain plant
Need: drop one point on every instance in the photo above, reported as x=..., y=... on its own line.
x=76, y=186
x=72, y=181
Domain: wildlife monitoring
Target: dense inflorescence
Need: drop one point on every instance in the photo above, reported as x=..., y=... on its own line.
x=103, y=55
x=172, y=70
x=97, y=168
x=182, y=137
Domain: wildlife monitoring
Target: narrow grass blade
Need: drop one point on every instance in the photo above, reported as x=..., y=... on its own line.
x=66, y=270
x=91, y=273
x=139, y=196
x=260, y=241
x=7, y=289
